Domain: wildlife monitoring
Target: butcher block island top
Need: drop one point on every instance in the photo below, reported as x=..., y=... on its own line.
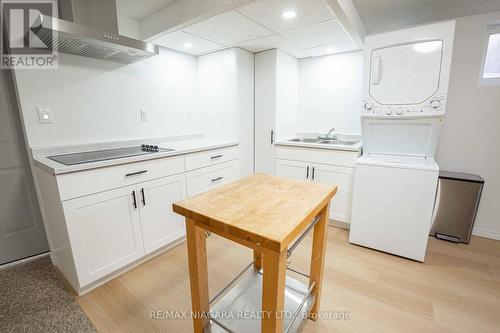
x=260, y=211
x=265, y=213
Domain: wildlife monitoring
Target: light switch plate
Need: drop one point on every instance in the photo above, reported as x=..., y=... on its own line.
x=45, y=115
x=144, y=115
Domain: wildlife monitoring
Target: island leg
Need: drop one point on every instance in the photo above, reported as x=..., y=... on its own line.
x=257, y=257
x=198, y=274
x=318, y=259
x=273, y=291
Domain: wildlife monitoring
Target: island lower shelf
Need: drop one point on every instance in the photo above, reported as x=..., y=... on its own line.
x=239, y=309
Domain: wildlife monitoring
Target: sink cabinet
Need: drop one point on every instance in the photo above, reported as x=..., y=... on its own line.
x=331, y=167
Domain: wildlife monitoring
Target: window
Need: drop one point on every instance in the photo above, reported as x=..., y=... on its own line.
x=492, y=61
x=490, y=71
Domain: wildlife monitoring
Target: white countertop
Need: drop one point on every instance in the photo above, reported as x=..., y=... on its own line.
x=355, y=147
x=186, y=146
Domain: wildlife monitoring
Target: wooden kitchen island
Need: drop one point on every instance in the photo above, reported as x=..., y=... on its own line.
x=271, y=215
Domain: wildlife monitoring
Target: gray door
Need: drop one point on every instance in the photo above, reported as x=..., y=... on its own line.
x=21, y=228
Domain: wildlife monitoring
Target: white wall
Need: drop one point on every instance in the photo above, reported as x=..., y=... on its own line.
x=330, y=93
x=226, y=100
x=471, y=132
x=94, y=100
x=128, y=27
x=217, y=94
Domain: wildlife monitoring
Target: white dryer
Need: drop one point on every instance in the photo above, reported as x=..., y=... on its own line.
x=395, y=183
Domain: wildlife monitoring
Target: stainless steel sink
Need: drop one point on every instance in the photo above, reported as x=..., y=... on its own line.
x=325, y=141
x=308, y=140
x=338, y=142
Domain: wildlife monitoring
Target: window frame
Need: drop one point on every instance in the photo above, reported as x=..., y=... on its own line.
x=491, y=29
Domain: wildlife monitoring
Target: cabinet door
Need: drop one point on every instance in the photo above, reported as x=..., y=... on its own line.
x=204, y=179
x=342, y=177
x=104, y=232
x=293, y=169
x=265, y=110
x=160, y=225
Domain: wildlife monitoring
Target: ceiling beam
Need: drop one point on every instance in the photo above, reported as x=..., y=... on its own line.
x=181, y=14
x=348, y=16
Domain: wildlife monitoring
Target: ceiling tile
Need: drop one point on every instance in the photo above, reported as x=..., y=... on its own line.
x=299, y=54
x=266, y=43
x=138, y=10
x=268, y=13
x=177, y=40
x=331, y=49
x=316, y=35
x=228, y=29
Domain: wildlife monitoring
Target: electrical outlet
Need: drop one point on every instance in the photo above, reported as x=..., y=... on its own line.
x=45, y=115
x=144, y=115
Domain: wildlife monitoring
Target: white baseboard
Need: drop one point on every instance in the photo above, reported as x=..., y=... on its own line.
x=486, y=233
x=339, y=224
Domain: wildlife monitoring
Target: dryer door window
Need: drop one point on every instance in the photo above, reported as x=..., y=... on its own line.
x=406, y=74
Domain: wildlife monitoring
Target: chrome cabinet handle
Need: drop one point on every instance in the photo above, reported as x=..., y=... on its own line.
x=215, y=157
x=307, y=172
x=217, y=179
x=143, y=197
x=312, y=174
x=272, y=136
x=136, y=173
x=134, y=200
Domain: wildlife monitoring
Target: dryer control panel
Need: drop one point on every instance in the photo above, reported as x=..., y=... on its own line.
x=435, y=106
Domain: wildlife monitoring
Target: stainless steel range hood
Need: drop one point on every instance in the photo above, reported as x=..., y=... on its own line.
x=89, y=28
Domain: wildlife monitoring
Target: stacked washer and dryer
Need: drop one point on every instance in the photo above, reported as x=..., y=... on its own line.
x=405, y=88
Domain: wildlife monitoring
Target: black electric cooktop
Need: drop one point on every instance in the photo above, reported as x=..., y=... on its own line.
x=108, y=154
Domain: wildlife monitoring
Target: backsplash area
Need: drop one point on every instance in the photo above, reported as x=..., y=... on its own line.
x=93, y=100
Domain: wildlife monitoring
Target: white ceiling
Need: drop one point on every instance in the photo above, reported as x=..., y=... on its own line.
x=259, y=26
x=385, y=15
x=138, y=10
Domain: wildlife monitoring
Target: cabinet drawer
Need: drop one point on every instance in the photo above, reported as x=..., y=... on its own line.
x=211, y=157
x=324, y=156
x=204, y=179
x=87, y=182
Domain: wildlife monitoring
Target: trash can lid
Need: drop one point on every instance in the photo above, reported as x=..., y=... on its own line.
x=460, y=176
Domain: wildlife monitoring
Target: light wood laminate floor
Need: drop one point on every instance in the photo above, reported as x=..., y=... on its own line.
x=457, y=289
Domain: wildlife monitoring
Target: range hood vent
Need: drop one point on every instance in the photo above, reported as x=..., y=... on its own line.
x=72, y=37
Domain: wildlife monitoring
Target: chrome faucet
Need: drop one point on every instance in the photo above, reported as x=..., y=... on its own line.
x=327, y=136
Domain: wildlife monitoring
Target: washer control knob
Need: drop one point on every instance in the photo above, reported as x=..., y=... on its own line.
x=368, y=106
x=388, y=112
x=399, y=111
x=435, y=103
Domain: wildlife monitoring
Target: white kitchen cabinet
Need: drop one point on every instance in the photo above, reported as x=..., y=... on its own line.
x=293, y=169
x=343, y=178
x=265, y=110
x=207, y=178
x=160, y=225
x=326, y=166
x=103, y=221
x=104, y=232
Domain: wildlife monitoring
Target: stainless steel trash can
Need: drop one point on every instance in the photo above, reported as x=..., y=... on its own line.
x=456, y=205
